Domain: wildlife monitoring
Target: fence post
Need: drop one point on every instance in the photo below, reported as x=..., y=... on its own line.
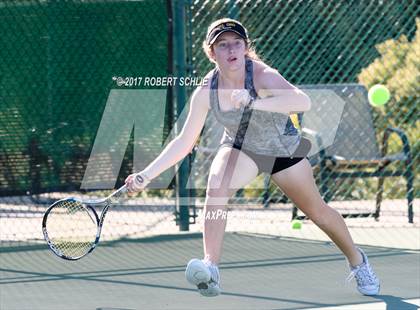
x=183, y=214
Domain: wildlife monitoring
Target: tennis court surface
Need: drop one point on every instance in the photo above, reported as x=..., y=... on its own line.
x=258, y=272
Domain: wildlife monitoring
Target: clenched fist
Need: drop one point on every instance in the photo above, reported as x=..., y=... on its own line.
x=240, y=97
x=136, y=182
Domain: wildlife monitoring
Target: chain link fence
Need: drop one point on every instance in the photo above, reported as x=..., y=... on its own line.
x=61, y=59
x=345, y=46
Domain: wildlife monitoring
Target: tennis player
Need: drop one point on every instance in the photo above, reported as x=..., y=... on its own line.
x=241, y=84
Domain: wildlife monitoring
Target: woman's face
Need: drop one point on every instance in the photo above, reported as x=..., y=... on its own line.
x=229, y=51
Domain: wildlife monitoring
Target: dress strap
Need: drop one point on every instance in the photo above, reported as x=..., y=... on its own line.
x=213, y=89
x=249, y=78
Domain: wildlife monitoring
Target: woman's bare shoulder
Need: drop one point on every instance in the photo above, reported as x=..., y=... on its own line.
x=259, y=75
x=268, y=78
x=202, y=93
x=207, y=78
x=261, y=67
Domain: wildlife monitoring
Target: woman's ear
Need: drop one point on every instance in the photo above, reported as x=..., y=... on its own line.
x=211, y=54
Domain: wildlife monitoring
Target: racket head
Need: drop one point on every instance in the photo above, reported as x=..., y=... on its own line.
x=70, y=228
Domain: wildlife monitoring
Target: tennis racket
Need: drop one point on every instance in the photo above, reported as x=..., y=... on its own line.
x=72, y=227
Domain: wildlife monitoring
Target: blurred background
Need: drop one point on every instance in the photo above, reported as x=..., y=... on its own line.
x=60, y=60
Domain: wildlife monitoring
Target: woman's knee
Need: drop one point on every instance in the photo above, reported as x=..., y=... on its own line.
x=216, y=189
x=322, y=215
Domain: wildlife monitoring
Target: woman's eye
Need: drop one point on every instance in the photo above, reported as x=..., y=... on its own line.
x=222, y=45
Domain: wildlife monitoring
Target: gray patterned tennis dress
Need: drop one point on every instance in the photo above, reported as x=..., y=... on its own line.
x=270, y=138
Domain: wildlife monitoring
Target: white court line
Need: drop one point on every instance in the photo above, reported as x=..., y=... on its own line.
x=368, y=306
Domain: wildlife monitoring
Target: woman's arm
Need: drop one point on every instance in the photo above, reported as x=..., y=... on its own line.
x=284, y=97
x=180, y=146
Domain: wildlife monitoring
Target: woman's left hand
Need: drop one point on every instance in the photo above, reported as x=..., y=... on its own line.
x=240, y=97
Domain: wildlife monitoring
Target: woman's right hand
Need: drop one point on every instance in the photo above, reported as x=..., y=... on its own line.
x=136, y=182
x=240, y=97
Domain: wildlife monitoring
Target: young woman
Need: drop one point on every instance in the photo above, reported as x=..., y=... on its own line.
x=241, y=85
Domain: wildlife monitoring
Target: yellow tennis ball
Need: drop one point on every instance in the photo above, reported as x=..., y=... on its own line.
x=296, y=224
x=378, y=95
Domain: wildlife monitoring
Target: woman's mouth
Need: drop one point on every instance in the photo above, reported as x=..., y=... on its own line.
x=232, y=59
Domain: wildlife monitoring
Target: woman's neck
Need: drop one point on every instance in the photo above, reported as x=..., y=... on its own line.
x=232, y=79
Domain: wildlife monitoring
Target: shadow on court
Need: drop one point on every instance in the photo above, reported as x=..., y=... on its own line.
x=394, y=303
x=258, y=272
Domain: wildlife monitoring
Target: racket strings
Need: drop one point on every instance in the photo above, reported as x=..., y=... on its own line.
x=71, y=228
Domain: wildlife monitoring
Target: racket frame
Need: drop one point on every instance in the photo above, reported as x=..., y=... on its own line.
x=87, y=204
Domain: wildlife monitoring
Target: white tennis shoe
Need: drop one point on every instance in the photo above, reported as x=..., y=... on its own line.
x=205, y=276
x=367, y=281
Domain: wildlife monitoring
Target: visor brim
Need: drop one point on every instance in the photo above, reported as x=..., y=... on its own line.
x=222, y=32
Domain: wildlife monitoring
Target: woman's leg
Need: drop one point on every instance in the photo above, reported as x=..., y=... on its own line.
x=298, y=183
x=231, y=169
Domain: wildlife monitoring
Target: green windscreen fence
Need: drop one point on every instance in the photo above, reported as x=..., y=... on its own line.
x=59, y=62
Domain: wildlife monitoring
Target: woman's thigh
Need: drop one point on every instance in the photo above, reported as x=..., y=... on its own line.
x=298, y=183
x=230, y=170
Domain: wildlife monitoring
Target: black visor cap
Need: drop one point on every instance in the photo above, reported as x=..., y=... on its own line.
x=225, y=27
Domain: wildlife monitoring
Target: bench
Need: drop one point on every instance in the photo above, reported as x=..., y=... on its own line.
x=354, y=145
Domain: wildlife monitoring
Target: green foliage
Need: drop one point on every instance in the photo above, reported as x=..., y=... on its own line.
x=397, y=67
